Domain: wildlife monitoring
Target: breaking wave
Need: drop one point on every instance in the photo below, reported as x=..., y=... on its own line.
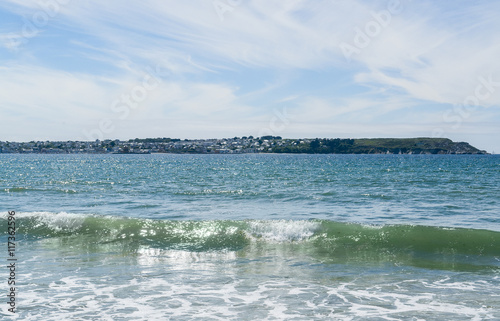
x=323, y=239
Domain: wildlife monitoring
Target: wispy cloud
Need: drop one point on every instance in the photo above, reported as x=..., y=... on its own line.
x=423, y=59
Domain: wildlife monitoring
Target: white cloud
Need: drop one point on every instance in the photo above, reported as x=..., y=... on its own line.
x=60, y=93
x=256, y=33
x=37, y=96
x=429, y=53
x=432, y=60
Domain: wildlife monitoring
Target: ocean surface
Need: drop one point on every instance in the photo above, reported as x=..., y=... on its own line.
x=253, y=237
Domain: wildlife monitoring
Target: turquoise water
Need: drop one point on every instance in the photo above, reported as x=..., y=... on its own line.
x=254, y=237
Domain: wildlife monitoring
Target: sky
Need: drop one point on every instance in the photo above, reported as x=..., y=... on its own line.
x=118, y=69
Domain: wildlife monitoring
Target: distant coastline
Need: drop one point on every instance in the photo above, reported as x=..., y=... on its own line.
x=245, y=145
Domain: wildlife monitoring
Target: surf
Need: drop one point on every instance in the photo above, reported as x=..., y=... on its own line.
x=323, y=239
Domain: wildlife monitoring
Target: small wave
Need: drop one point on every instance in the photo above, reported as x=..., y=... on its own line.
x=49, y=224
x=30, y=189
x=211, y=192
x=326, y=240
x=20, y=189
x=409, y=238
x=186, y=235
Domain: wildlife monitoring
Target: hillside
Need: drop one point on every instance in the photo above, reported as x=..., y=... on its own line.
x=379, y=146
x=237, y=145
x=414, y=146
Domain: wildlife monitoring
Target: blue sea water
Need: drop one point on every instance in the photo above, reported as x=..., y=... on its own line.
x=254, y=237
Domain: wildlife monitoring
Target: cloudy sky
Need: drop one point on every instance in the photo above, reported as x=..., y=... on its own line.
x=87, y=69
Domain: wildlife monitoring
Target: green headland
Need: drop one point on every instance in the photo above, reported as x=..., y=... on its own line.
x=250, y=144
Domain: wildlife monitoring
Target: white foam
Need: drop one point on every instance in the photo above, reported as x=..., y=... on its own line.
x=61, y=221
x=203, y=294
x=283, y=230
x=158, y=284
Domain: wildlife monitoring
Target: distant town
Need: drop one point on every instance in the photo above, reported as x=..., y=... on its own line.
x=245, y=144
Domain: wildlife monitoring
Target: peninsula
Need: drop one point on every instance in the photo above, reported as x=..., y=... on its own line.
x=250, y=144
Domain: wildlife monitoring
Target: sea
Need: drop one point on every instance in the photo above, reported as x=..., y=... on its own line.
x=250, y=237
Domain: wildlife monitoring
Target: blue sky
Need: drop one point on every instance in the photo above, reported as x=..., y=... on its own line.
x=81, y=70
